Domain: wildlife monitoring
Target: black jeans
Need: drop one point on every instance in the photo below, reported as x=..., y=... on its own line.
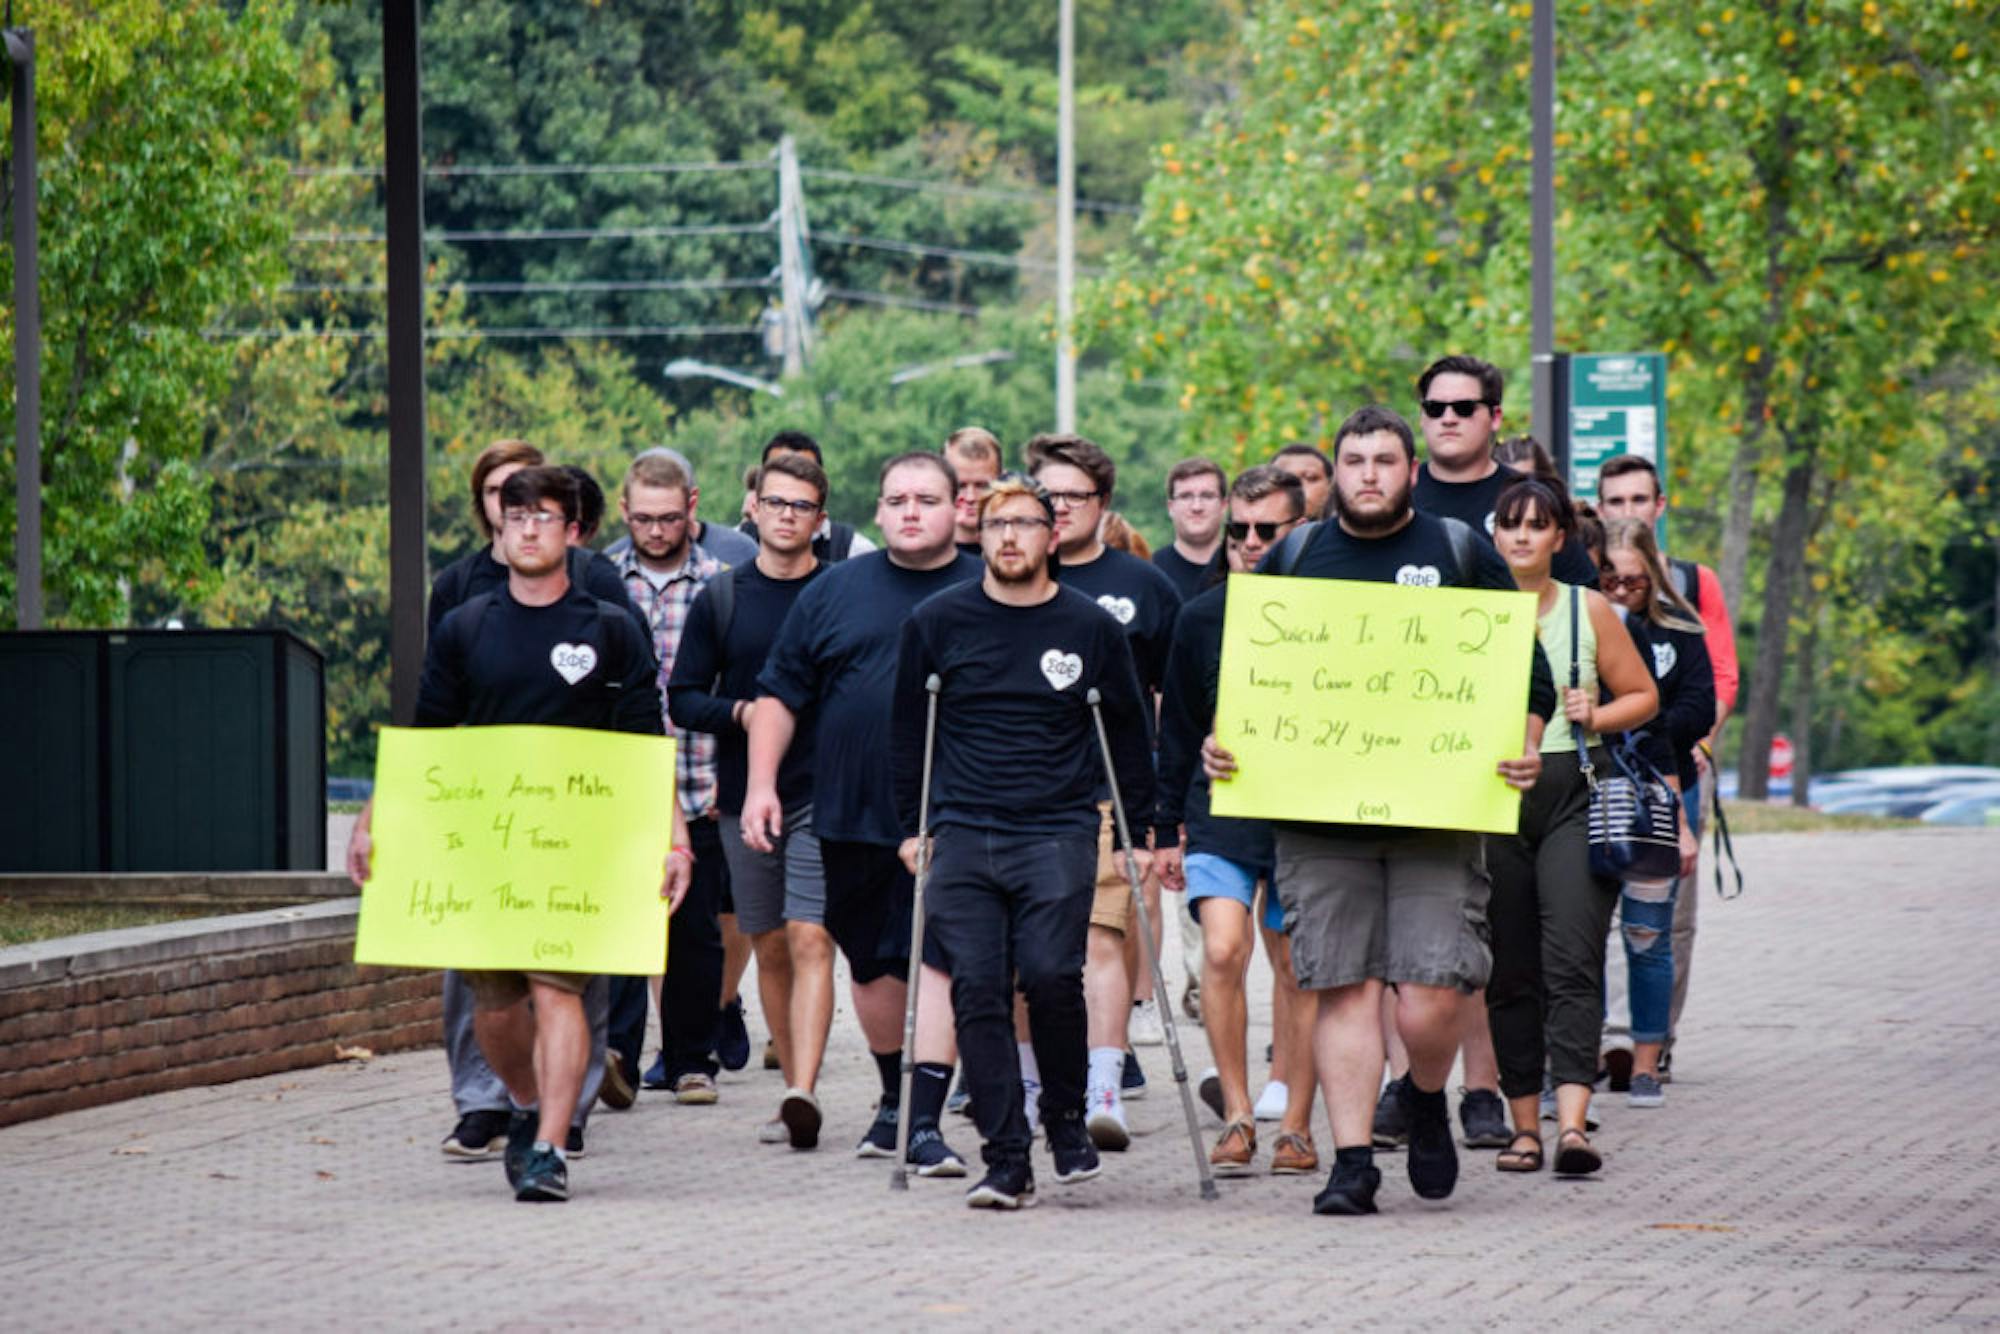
x=1005, y=907
x=691, y=990
x=1549, y=917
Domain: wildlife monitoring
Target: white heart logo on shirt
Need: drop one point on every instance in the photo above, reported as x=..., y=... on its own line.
x=1063, y=669
x=1122, y=608
x=1489, y=523
x=1664, y=659
x=1419, y=576
x=573, y=661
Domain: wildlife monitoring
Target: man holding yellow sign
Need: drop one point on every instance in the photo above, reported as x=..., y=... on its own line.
x=528, y=903
x=1381, y=727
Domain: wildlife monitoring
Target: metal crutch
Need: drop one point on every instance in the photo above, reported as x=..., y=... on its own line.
x=1096, y=700
x=899, y=1179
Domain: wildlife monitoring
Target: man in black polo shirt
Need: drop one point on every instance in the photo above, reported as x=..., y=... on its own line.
x=1017, y=768
x=1079, y=477
x=538, y=650
x=1373, y=905
x=835, y=657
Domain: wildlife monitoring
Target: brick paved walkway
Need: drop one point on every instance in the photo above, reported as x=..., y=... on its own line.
x=1829, y=1159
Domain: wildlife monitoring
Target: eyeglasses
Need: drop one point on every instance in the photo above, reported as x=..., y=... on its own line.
x=1073, y=498
x=1197, y=498
x=1014, y=523
x=775, y=505
x=1618, y=583
x=1266, y=532
x=1464, y=407
x=655, y=520
x=531, y=518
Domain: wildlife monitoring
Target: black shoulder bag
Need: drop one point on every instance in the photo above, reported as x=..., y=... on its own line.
x=1635, y=831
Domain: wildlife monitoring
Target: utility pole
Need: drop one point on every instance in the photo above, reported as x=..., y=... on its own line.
x=1066, y=220
x=27, y=339
x=403, y=172
x=793, y=282
x=1543, y=245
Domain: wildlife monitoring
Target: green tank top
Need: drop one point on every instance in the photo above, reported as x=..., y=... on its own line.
x=1553, y=627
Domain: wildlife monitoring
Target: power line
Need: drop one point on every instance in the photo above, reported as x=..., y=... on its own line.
x=554, y=169
x=529, y=288
x=547, y=234
x=905, y=302
x=992, y=257
x=523, y=331
x=970, y=191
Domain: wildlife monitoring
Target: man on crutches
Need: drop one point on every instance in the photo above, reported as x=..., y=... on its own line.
x=1015, y=767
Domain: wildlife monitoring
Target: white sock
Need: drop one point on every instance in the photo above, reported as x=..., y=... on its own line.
x=1107, y=1068
x=1031, y=1070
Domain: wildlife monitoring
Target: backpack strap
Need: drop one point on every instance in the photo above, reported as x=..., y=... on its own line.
x=1460, y=535
x=1724, y=845
x=1687, y=581
x=1286, y=558
x=472, y=614
x=721, y=592
x=840, y=541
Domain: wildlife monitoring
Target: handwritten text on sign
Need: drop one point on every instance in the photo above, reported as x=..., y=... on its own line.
x=519, y=848
x=1367, y=703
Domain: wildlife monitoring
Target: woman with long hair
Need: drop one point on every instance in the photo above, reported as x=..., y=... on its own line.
x=1549, y=915
x=1669, y=633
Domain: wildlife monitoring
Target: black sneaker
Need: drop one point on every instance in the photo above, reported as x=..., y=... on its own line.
x=1005, y=1186
x=1132, y=1084
x=960, y=1100
x=573, y=1144
x=1618, y=1068
x=931, y=1156
x=1484, y=1118
x=477, y=1137
x=544, y=1177
x=1392, y=1124
x=1350, y=1190
x=1433, y=1157
x=732, y=1037
x=520, y=1139
x=880, y=1141
x=616, y=1092
x=1070, y=1146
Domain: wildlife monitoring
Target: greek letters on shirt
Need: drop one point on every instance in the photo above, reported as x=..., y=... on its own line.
x=1063, y=670
x=573, y=662
x=1122, y=609
x=1419, y=576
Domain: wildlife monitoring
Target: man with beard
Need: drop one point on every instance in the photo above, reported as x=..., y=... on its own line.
x=1079, y=477
x=491, y=663
x=1372, y=905
x=835, y=658
x=1014, y=819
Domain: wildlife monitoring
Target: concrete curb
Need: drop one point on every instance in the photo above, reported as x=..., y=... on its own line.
x=167, y=942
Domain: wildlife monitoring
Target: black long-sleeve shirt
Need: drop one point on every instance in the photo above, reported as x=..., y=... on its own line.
x=1017, y=749
x=712, y=674
x=1187, y=714
x=1471, y=503
x=1139, y=597
x=494, y=661
x=1685, y=675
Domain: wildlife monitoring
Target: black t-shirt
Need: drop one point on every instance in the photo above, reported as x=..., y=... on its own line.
x=494, y=661
x=1017, y=749
x=711, y=675
x=1679, y=662
x=1187, y=714
x=836, y=652
x=1186, y=576
x=1139, y=598
x=478, y=572
x=1471, y=503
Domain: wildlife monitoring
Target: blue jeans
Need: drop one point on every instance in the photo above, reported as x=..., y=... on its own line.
x=1003, y=907
x=1646, y=917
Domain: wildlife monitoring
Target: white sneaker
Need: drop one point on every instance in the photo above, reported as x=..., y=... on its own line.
x=1272, y=1102
x=1031, y=1094
x=773, y=1132
x=1104, y=1118
x=1144, y=1029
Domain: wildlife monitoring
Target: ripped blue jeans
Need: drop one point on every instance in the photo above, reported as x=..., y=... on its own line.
x=1646, y=920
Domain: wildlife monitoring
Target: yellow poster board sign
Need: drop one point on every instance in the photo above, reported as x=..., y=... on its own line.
x=528, y=848
x=1370, y=703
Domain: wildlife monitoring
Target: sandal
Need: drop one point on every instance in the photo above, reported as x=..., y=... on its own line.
x=1574, y=1155
x=1511, y=1159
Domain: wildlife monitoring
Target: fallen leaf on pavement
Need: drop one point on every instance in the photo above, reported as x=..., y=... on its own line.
x=319, y=1139
x=130, y=1150
x=1691, y=1227
x=341, y=1053
x=324, y=1176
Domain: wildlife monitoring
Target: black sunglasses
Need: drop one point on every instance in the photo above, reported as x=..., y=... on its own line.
x=1464, y=407
x=1266, y=532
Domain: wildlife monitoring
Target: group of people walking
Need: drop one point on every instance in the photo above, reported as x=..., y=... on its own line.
x=980, y=753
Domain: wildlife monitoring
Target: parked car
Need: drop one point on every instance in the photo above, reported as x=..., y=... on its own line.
x=349, y=789
x=1967, y=805
x=1896, y=803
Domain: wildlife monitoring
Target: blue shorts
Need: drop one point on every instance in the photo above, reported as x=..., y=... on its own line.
x=1213, y=877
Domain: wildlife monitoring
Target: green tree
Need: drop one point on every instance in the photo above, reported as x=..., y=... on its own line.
x=161, y=205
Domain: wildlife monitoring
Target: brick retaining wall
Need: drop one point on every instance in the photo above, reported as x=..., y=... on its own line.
x=119, y=1014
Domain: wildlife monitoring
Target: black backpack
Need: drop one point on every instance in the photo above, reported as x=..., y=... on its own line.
x=1461, y=537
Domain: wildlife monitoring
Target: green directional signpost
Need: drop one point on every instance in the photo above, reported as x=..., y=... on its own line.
x=1617, y=404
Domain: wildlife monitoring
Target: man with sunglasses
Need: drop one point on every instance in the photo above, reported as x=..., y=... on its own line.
x=663, y=569
x=1459, y=477
x=1079, y=476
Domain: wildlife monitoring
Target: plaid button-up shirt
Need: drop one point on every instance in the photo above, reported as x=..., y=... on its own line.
x=666, y=610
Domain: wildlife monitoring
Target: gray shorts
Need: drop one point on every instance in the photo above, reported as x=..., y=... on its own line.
x=772, y=888
x=1405, y=908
